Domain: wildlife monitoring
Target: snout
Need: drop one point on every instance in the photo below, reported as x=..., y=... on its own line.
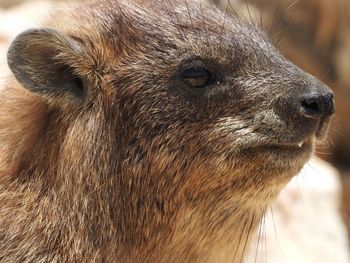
x=309, y=108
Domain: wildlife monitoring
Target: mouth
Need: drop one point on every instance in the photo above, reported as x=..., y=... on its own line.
x=289, y=150
x=301, y=146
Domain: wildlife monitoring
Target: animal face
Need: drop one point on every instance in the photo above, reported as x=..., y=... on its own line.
x=183, y=81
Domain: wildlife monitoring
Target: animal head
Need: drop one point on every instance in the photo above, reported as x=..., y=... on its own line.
x=183, y=91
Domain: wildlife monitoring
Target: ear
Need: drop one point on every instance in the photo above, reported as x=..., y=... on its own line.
x=41, y=60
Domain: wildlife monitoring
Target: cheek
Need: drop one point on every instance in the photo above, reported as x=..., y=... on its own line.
x=229, y=134
x=269, y=119
x=237, y=140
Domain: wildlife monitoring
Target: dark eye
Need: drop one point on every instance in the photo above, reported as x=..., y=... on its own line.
x=196, y=77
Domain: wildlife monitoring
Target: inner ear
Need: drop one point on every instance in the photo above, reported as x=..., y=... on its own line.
x=42, y=60
x=69, y=82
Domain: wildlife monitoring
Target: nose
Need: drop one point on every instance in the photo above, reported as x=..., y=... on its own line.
x=317, y=106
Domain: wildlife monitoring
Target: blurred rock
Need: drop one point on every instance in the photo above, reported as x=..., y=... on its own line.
x=17, y=19
x=9, y=3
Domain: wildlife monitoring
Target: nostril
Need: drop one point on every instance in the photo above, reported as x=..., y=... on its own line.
x=318, y=105
x=312, y=106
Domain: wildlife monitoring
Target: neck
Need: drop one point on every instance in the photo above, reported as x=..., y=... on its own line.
x=109, y=214
x=222, y=236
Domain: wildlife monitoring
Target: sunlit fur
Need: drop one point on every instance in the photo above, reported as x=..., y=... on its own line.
x=141, y=169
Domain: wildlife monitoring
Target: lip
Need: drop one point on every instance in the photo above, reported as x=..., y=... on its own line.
x=300, y=145
x=281, y=148
x=288, y=147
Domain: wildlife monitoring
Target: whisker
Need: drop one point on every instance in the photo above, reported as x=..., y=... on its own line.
x=298, y=186
x=261, y=13
x=326, y=75
x=323, y=153
x=178, y=27
x=338, y=131
x=277, y=10
x=248, y=236
x=275, y=232
x=223, y=23
x=264, y=240
x=331, y=142
x=232, y=9
x=259, y=236
x=287, y=25
x=239, y=241
x=204, y=23
x=291, y=5
x=307, y=187
x=248, y=9
x=154, y=22
x=189, y=15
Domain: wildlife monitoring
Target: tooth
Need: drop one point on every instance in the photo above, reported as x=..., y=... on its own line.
x=300, y=144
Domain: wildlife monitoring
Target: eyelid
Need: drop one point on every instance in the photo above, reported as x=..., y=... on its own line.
x=195, y=72
x=196, y=77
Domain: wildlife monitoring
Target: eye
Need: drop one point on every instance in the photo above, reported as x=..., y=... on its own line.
x=196, y=77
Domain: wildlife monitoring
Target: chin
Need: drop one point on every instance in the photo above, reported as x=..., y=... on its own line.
x=278, y=162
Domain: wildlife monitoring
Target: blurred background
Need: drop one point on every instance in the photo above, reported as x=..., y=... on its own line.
x=314, y=34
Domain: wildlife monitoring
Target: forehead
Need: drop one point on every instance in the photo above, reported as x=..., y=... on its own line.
x=175, y=20
x=163, y=28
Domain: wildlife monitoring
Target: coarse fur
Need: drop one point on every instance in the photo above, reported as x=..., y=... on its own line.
x=135, y=166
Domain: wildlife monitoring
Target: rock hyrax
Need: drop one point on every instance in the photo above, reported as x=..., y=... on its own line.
x=154, y=131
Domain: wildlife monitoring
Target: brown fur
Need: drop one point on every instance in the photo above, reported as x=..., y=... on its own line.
x=139, y=169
